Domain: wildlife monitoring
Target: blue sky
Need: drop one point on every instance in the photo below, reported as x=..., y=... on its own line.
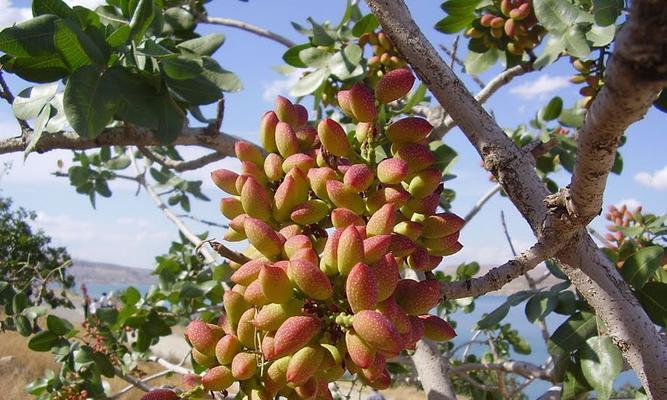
x=130, y=230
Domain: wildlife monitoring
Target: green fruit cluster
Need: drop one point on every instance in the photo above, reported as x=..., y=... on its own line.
x=509, y=25
x=329, y=232
x=385, y=56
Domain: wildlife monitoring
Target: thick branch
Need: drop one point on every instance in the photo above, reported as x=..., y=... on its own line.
x=433, y=371
x=635, y=74
x=246, y=27
x=515, y=173
x=178, y=165
x=121, y=136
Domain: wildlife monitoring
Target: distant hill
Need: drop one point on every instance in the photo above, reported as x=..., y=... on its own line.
x=98, y=272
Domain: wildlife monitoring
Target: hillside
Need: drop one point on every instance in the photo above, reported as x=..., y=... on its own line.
x=98, y=272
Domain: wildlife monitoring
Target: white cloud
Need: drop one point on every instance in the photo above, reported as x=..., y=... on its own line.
x=12, y=14
x=631, y=203
x=656, y=180
x=541, y=87
x=279, y=86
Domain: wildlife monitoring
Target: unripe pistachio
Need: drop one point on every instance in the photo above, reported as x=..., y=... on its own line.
x=248, y=152
x=245, y=331
x=362, y=103
x=217, y=379
x=273, y=167
x=295, y=333
x=299, y=160
x=310, y=212
x=263, y=237
x=244, y=366
x=267, y=131
x=382, y=221
x=225, y=180
x=360, y=352
x=394, y=85
x=227, y=348
x=437, y=329
x=231, y=207
x=342, y=218
x=408, y=130
x=333, y=137
x=286, y=141
x=255, y=200
x=358, y=178
x=350, y=250
x=417, y=156
x=285, y=111
x=344, y=198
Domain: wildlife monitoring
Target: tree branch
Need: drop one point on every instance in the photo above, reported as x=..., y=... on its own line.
x=525, y=369
x=120, y=136
x=497, y=277
x=138, y=383
x=456, y=60
x=635, y=75
x=246, y=27
x=178, y=165
x=481, y=202
x=633, y=330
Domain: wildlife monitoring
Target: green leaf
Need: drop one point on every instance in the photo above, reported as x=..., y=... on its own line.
x=58, y=326
x=43, y=341
x=131, y=296
x=28, y=104
x=141, y=19
x=103, y=364
x=555, y=15
x=75, y=47
x=574, y=384
x=55, y=7
x=33, y=37
x=540, y=305
x=552, y=110
x=366, y=24
x=607, y=11
x=291, y=56
x=653, y=297
x=120, y=36
x=23, y=325
x=576, y=43
x=345, y=64
x=20, y=302
x=38, y=129
x=90, y=101
x=226, y=81
x=454, y=23
x=476, y=63
x=320, y=35
x=552, y=50
x=601, y=36
x=309, y=83
x=120, y=162
x=493, y=317
x=182, y=66
x=315, y=57
x=107, y=314
x=572, y=333
x=179, y=19
x=40, y=69
x=601, y=362
x=639, y=267
x=459, y=7
x=205, y=45
x=572, y=117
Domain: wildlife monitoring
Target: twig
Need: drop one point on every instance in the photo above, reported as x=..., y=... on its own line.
x=178, y=165
x=224, y=251
x=481, y=386
x=144, y=380
x=203, y=221
x=7, y=94
x=541, y=323
x=481, y=202
x=521, y=387
x=246, y=27
x=185, y=230
x=455, y=47
x=176, y=368
x=456, y=60
x=138, y=383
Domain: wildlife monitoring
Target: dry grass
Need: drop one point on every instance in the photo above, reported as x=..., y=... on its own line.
x=26, y=365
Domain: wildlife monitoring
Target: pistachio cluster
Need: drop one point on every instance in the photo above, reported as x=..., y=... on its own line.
x=329, y=229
